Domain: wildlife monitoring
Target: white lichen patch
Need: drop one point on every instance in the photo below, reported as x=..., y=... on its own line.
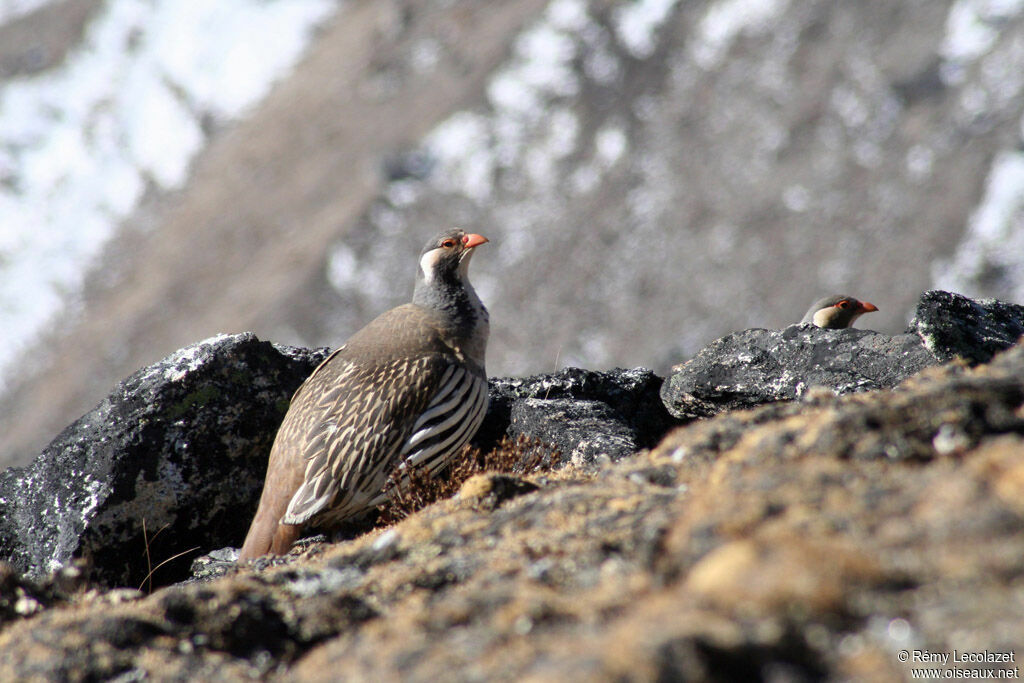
x=89, y=496
x=96, y=492
x=189, y=359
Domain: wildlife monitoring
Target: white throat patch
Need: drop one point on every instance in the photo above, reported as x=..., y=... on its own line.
x=823, y=317
x=428, y=263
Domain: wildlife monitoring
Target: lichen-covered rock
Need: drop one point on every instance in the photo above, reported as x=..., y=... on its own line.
x=756, y=366
x=172, y=461
x=585, y=413
x=952, y=325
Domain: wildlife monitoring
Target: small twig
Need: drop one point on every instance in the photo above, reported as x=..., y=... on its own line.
x=149, y=563
x=152, y=571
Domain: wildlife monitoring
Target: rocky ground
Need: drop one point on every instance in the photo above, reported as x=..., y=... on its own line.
x=805, y=539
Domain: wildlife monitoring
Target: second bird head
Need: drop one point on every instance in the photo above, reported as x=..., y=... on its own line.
x=837, y=311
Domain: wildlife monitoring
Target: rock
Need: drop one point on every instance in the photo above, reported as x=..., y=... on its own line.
x=734, y=574
x=21, y=596
x=793, y=541
x=171, y=462
x=756, y=366
x=489, y=490
x=583, y=431
x=952, y=325
x=213, y=564
x=586, y=414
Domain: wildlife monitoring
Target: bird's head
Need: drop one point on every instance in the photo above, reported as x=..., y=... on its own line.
x=445, y=258
x=837, y=311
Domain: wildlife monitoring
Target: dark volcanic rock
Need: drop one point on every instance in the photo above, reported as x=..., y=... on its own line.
x=172, y=461
x=584, y=413
x=952, y=325
x=757, y=366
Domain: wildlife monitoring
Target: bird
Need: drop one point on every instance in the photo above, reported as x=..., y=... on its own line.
x=837, y=311
x=407, y=390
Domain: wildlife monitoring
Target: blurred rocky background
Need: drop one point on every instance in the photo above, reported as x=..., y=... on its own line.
x=652, y=174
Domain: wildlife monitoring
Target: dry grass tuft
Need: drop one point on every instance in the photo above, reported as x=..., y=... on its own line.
x=413, y=490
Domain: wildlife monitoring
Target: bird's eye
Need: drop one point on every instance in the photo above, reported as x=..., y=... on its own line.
x=843, y=304
x=448, y=244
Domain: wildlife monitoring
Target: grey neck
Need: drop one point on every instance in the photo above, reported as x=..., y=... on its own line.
x=460, y=307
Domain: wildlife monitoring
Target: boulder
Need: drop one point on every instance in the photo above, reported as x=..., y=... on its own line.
x=951, y=325
x=756, y=366
x=171, y=462
x=584, y=413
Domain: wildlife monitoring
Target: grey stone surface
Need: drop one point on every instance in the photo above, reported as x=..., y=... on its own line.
x=753, y=367
x=952, y=325
x=583, y=431
x=585, y=413
x=756, y=366
x=171, y=461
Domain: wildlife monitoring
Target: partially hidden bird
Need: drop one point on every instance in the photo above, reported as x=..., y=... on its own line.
x=408, y=390
x=837, y=311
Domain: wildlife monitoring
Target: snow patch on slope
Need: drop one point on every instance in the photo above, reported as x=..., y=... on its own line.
x=725, y=21
x=80, y=144
x=972, y=27
x=990, y=258
x=637, y=23
x=12, y=9
x=471, y=147
x=992, y=251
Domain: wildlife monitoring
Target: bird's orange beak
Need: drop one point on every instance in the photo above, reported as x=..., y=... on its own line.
x=866, y=307
x=473, y=240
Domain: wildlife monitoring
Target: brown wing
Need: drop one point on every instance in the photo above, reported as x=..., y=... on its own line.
x=345, y=425
x=352, y=429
